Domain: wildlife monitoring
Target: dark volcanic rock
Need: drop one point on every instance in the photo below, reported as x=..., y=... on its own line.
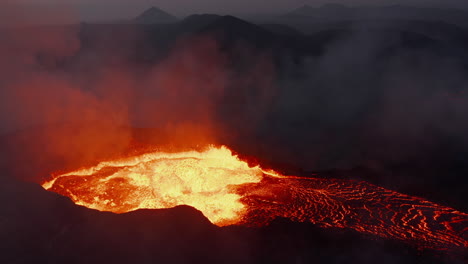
x=41, y=227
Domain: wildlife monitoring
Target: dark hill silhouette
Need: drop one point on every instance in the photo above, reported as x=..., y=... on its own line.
x=231, y=29
x=197, y=22
x=337, y=12
x=234, y=25
x=280, y=29
x=283, y=39
x=227, y=29
x=155, y=15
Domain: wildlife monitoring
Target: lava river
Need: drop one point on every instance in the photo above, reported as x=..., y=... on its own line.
x=228, y=191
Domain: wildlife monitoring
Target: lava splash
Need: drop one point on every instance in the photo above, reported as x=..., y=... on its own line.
x=228, y=191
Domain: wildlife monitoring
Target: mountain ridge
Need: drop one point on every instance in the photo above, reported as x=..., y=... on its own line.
x=155, y=15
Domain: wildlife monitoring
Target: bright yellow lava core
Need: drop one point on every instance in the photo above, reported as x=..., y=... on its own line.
x=204, y=180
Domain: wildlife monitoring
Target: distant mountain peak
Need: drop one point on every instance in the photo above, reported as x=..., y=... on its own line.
x=155, y=15
x=153, y=10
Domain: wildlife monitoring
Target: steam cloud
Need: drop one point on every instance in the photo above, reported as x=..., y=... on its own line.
x=367, y=99
x=92, y=96
x=356, y=104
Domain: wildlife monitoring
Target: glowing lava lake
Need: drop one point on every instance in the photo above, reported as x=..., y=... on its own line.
x=230, y=192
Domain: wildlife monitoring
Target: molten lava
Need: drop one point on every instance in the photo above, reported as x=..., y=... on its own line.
x=227, y=191
x=203, y=180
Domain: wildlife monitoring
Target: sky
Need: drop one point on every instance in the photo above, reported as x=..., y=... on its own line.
x=115, y=9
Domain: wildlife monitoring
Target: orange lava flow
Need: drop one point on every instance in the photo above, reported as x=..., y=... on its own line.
x=203, y=180
x=228, y=191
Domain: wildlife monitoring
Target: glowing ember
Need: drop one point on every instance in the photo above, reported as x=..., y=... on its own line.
x=228, y=191
x=204, y=180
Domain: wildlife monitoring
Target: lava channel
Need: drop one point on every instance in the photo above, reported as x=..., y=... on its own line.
x=230, y=192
